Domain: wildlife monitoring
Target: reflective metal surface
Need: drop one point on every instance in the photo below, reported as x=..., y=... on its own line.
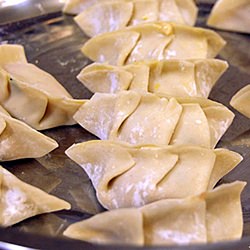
x=52, y=42
x=9, y=246
x=17, y=10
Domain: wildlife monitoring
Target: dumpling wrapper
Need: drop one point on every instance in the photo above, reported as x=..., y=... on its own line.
x=99, y=18
x=19, y=200
x=194, y=78
x=23, y=83
x=241, y=101
x=211, y=217
x=143, y=118
x=126, y=176
x=230, y=15
x=18, y=140
x=153, y=41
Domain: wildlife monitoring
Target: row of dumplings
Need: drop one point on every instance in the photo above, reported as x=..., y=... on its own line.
x=52, y=106
x=30, y=100
x=16, y=83
x=157, y=38
x=157, y=147
x=19, y=140
x=95, y=17
x=150, y=77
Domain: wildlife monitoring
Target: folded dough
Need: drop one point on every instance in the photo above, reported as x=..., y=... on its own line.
x=153, y=41
x=231, y=15
x=110, y=16
x=18, y=140
x=19, y=200
x=32, y=95
x=211, y=217
x=126, y=176
x=241, y=101
x=173, y=77
x=144, y=118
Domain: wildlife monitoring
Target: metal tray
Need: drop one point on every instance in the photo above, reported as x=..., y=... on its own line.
x=52, y=42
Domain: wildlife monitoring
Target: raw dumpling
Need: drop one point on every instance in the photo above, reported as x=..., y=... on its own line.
x=111, y=16
x=197, y=219
x=241, y=101
x=18, y=140
x=32, y=95
x=231, y=15
x=194, y=78
x=126, y=176
x=153, y=41
x=19, y=201
x=138, y=118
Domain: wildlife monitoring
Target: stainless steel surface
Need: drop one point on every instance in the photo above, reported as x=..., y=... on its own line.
x=17, y=10
x=9, y=246
x=53, y=43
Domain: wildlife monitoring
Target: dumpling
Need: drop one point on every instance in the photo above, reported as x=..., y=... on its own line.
x=197, y=219
x=18, y=140
x=23, y=84
x=19, y=200
x=126, y=176
x=241, y=101
x=153, y=41
x=231, y=15
x=144, y=118
x=194, y=78
x=111, y=16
